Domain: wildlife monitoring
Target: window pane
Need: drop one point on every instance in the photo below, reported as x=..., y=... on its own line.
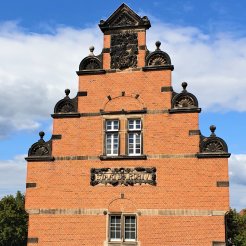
x=132, y=235
x=108, y=125
x=127, y=235
x=115, y=124
x=130, y=228
x=112, y=143
x=127, y=219
x=134, y=124
x=138, y=124
x=134, y=143
x=118, y=235
x=115, y=227
x=112, y=125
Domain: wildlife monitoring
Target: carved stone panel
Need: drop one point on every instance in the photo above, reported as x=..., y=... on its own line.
x=123, y=176
x=213, y=145
x=40, y=149
x=157, y=60
x=184, y=101
x=124, y=50
x=124, y=19
x=66, y=107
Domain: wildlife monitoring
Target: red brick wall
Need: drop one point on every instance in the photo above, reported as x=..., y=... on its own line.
x=90, y=230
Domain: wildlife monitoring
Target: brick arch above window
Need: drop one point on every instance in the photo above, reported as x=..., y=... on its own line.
x=122, y=205
x=126, y=103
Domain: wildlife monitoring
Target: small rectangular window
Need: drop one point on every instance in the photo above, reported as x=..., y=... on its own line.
x=112, y=137
x=112, y=125
x=134, y=124
x=134, y=137
x=122, y=228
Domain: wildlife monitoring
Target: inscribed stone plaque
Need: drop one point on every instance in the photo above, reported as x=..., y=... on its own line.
x=123, y=176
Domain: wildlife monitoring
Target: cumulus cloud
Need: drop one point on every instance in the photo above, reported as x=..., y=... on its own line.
x=237, y=172
x=12, y=175
x=35, y=69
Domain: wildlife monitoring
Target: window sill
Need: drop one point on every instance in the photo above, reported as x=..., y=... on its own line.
x=213, y=155
x=184, y=110
x=119, y=243
x=123, y=157
x=39, y=158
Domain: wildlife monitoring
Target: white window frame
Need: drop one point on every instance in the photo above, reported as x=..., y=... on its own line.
x=136, y=132
x=111, y=134
x=122, y=228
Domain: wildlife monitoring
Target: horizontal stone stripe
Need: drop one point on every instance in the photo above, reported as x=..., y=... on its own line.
x=222, y=183
x=155, y=156
x=142, y=212
x=147, y=111
x=73, y=211
x=164, y=156
x=32, y=240
x=181, y=212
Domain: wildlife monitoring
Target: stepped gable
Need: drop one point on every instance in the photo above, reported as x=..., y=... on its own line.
x=41, y=150
x=213, y=146
x=126, y=154
x=184, y=102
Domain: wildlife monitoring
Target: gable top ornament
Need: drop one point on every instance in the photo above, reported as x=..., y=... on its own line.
x=124, y=17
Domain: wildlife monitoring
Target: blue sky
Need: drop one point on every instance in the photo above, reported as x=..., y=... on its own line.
x=43, y=42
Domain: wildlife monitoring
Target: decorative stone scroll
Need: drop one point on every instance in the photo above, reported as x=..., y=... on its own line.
x=158, y=57
x=124, y=50
x=66, y=105
x=41, y=150
x=91, y=62
x=184, y=102
x=123, y=176
x=184, y=99
x=213, y=146
x=213, y=143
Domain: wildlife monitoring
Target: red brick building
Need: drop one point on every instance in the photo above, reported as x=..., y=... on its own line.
x=127, y=164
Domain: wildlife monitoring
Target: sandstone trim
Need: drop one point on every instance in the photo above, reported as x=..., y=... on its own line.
x=142, y=212
x=155, y=156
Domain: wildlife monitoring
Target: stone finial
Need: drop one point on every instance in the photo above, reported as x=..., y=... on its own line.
x=41, y=134
x=212, y=129
x=184, y=85
x=91, y=48
x=158, y=44
x=67, y=92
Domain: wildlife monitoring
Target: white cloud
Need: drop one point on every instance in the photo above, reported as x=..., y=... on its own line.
x=12, y=175
x=237, y=172
x=36, y=68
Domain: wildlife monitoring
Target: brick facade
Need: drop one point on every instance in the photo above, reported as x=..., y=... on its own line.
x=185, y=201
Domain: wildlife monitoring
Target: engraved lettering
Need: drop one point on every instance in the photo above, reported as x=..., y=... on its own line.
x=123, y=176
